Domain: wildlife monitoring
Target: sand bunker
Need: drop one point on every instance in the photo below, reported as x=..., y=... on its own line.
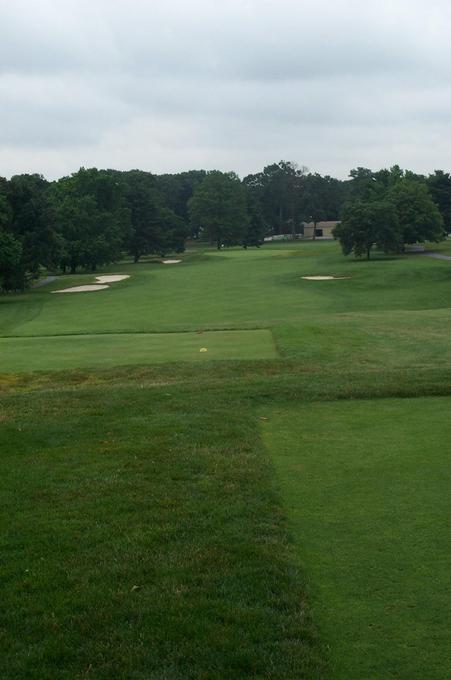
x=325, y=278
x=101, y=284
x=81, y=289
x=171, y=261
x=112, y=278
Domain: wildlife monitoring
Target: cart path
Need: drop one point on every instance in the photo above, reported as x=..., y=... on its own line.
x=438, y=256
x=44, y=282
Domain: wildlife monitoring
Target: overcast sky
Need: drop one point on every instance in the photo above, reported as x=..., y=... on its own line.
x=171, y=85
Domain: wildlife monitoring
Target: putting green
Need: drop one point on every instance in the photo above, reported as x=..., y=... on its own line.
x=107, y=350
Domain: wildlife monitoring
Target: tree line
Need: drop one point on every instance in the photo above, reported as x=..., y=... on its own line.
x=93, y=217
x=391, y=208
x=83, y=221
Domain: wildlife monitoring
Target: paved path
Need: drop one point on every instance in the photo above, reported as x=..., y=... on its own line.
x=438, y=256
x=44, y=282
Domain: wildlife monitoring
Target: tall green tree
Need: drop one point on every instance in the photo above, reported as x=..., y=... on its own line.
x=218, y=209
x=174, y=232
x=364, y=186
x=397, y=192
x=155, y=228
x=92, y=217
x=419, y=217
x=12, y=272
x=255, y=231
x=439, y=185
x=34, y=222
x=322, y=198
x=176, y=190
x=6, y=212
x=312, y=201
x=279, y=190
x=144, y=203
x=366, y=224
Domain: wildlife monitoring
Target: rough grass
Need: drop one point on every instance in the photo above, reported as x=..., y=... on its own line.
x=142, y=538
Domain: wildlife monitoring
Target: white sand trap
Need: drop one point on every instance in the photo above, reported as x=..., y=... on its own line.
x=81, y=289
x=101, y=284
x=112, y=278
x=171, y=261
x=325, y=278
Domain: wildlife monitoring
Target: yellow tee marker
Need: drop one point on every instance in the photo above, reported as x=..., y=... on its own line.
x=203, y=349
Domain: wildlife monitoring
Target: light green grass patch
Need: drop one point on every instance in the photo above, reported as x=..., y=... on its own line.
x=108, y=350
x=238, y=289
x=366, y=486
x=391, y=339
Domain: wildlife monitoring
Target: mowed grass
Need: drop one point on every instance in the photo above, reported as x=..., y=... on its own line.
x=373, y=340
x=366, y=486
x=109, y=350
x=142, y=538
x=390, y=312
x=145, y=526
x=231, y=289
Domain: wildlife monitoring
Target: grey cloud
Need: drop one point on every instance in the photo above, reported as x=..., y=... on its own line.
x=39, y=111
x=233, y=85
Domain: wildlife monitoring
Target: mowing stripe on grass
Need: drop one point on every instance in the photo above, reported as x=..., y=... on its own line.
x=366, y=486
x=109, y=350
x=143, y=540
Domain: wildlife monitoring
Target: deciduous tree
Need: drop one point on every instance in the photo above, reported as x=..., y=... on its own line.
x=419, y=217
x=218, y=208
x=368, y=224
x=439, y=185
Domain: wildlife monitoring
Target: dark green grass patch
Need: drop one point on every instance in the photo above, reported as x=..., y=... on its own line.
x=142, y=538
x=108, y=350
x=366, y=485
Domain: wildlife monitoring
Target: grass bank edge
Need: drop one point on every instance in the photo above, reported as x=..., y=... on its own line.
x=259, y=379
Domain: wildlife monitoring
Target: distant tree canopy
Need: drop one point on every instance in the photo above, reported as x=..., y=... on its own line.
x=154, y=228
x=26, y=229
x=278, y=190
x=289, y=196
x=94, y=217
x=91, y=216
x=86, y=220
x=176, y=190
x=439, y=185
x=218, y=208
x=388, y=209
x=11, y=271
